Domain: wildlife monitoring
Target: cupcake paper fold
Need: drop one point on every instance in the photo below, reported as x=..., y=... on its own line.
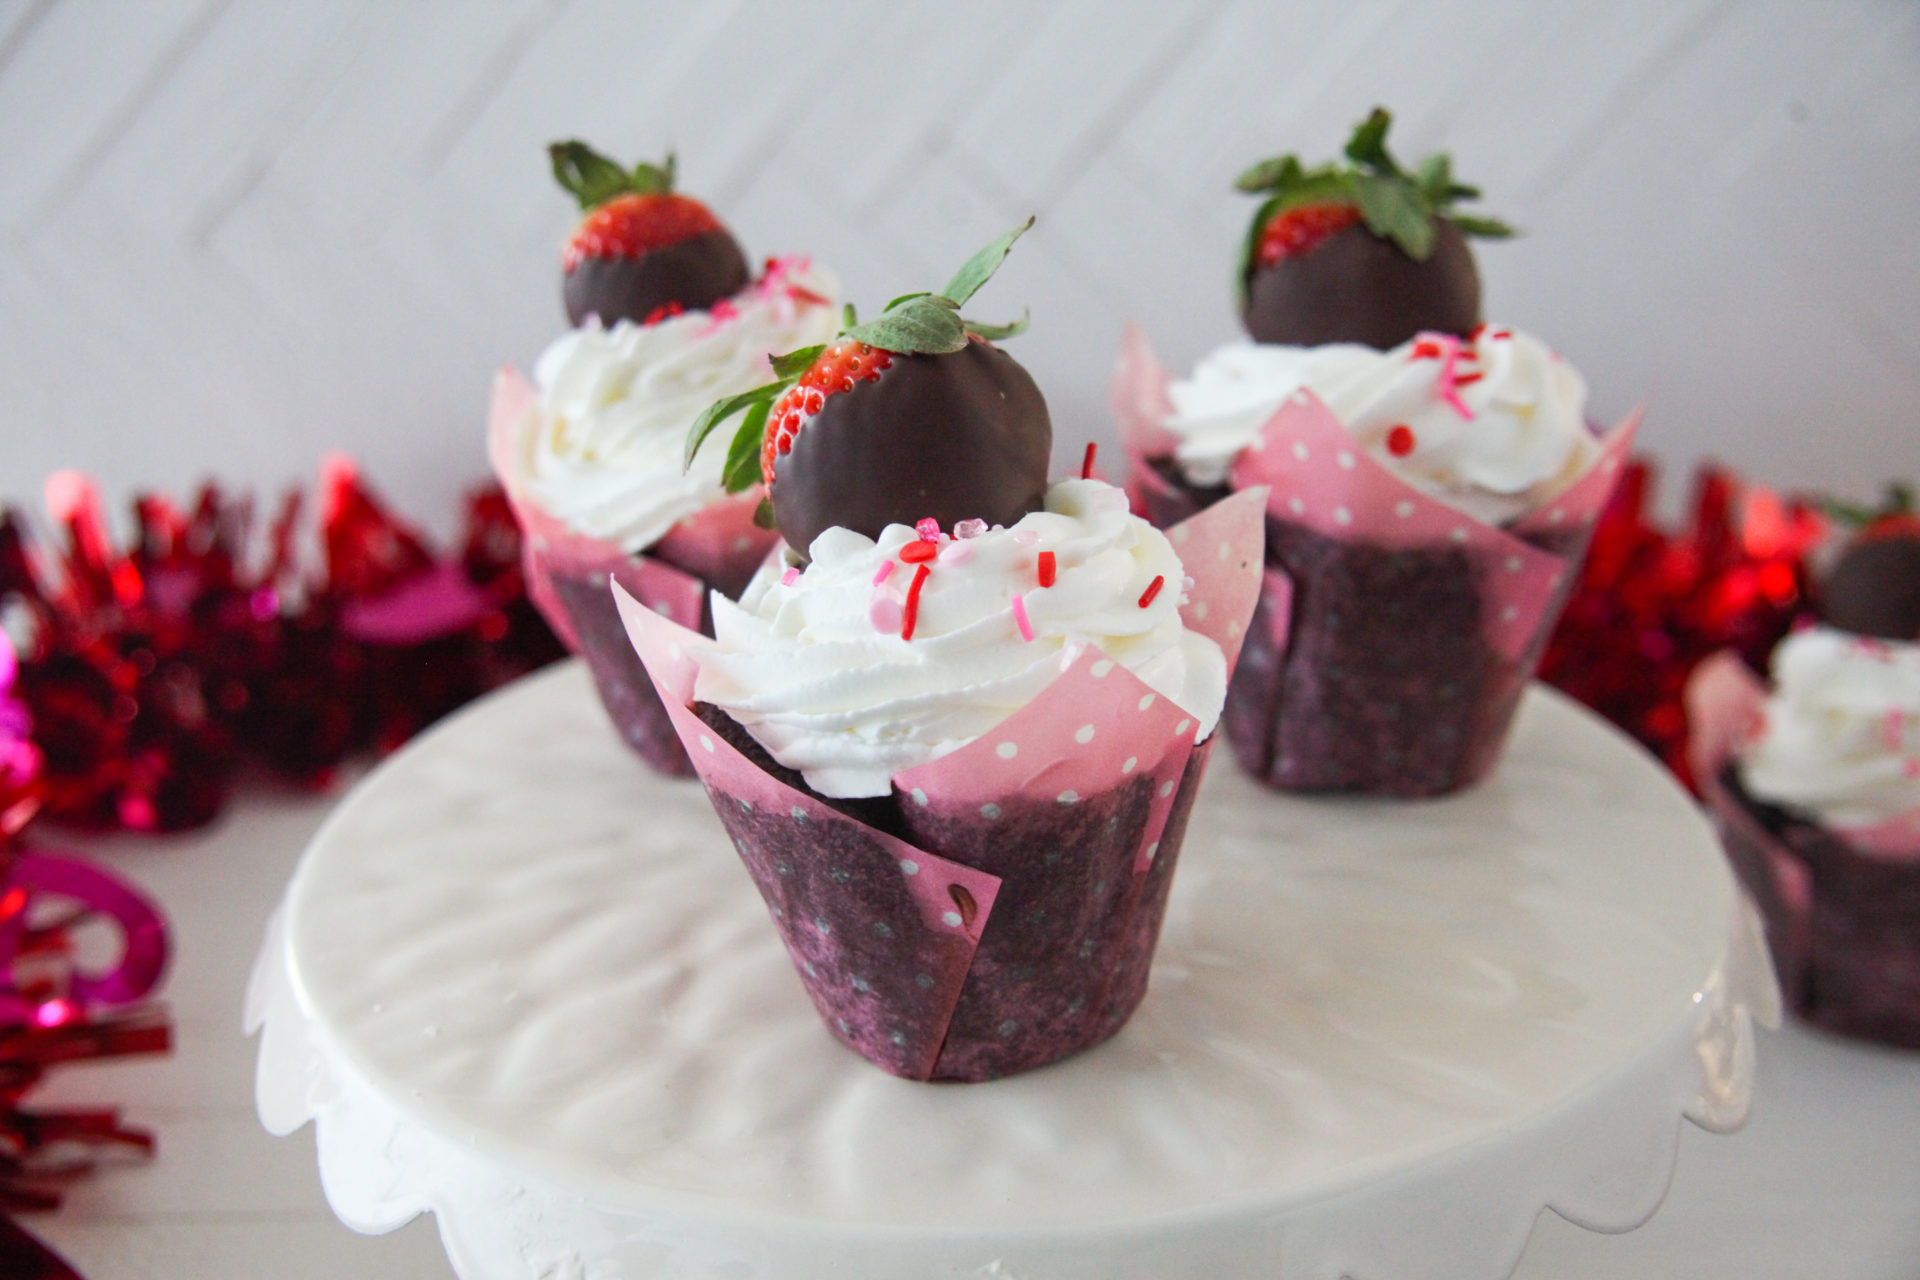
x=1028, y=936
x=567, y=572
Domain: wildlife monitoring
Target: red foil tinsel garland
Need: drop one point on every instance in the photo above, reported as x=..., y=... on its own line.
x=1652, y=603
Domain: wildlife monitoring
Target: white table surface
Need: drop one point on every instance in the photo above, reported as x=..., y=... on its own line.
x=1825, y=1180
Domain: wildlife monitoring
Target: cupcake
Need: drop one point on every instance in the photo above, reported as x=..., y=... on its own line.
x=1815, y=787
x=955, y=731
x=1432, y=479
x=666, y=318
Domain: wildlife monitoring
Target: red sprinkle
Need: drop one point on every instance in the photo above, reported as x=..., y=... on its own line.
x=1086, y=466
x=1046, y=568
x=912, y=613
x=1153, y=589
x=1400, y=441
x=919, y=552
x=1467, y=379
x=1427, y=349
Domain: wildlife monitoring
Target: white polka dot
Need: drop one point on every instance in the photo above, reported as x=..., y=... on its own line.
x=1515, y=564
x=1200, y=610
x=1233, y=630
x=1300, y=450
x=1345, y=460
x=1146, y=700
x=1068, y=797
x=1083, y=735
x=1509, y=613
x=1182, y=727
x=1180, y=533
x=1459, y=534
x=1152, y=849
x=909, y=867
x=1342, y=516
x=1226, y=549
x=799, y=814
x=1296, y=506
x=1099, y=669
x=1403, y=508
x=706, y=742
x=673, y=650
x=951, y=919
x=1166, y=789
x=920, y=797
x=666, y=611
x=1299, y=398
x=989, y=811
x=1007, y=750
x=1133, y=762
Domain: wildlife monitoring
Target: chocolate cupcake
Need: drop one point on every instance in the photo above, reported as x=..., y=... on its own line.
x=1432, y=479
x=1815, y=787
x=956, y=751
x=590, y=453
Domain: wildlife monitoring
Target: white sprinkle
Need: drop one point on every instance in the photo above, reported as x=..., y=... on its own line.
x=799, y=814
x=1300, y=450
x=920, y=797
x=1459, y=534
x=673, y=650
x=666, y=612
x=1555, y=516
x=1152, y=849
x=1509, y=613
x=1166, y=789
x=1515, y=564
x=743, y=543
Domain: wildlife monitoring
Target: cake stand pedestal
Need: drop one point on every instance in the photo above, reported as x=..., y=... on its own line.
x=523, y=984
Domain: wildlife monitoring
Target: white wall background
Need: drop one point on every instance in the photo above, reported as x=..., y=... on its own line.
x=238, y=234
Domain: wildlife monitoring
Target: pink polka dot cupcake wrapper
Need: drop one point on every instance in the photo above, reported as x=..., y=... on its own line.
x=1842, y=908
x=1029, y=935
x=567, y=573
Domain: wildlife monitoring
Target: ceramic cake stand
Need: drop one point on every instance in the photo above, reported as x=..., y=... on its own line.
x=525, y=985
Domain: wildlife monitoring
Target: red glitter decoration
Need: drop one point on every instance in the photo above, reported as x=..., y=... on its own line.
x=1046, y=567
x=911, y=614
x=919, y=552
x=1153, y=589
x=157, y=674
x=1400, y=440
x=1650, y=603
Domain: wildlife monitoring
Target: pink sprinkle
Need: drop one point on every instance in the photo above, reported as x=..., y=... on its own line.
x=969, y=528
x=1025, y=537
x=1448, y=363
x=720, y=314
x=881, y=574
x=928, y=529
x=886, y=615
x=792, y=575
x=956, y=553
x=1020, y=617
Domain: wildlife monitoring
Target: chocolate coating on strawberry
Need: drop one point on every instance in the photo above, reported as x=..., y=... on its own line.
x=962, y=435
x=1356, y=287
x=1874, y=588
x=642, y=252
x=1365, y=252
x=692, y=274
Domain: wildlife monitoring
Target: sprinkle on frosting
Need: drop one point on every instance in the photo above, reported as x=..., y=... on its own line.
x=1019, y=607
x=1046, y=568
x=912, y=613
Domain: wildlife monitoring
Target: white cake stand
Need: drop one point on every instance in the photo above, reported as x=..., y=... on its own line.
x=523, y=984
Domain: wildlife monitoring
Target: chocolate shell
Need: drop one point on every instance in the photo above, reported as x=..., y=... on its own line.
x=959, y=436
x=1358, y=287
x=694, y=274
x=1874, y=589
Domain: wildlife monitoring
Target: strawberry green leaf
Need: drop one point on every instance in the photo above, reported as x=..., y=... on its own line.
x=905, y=297
x=849, y=318
x=763, y=514
x=1485, y=228
x=653, y=179
x=1436, y=177
x=591, y=177
x=742, y=471
x=1394, y=210
x=928, y=325
x=795, y=363
x=719, y=411
x=996, y=332
x=1250, y=247
x=979, y=269
x=1276, y=174
x=1368, y=145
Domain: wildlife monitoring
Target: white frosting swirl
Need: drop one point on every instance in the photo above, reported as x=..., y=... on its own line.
x=812, y=663
x=1495, y=425
x=604, y=452
x=1841, y=735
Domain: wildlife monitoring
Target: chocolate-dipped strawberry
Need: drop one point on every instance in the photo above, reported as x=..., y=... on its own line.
x=642, y=251
x=1874, y=587
x=1364, y=253
x=914, y=415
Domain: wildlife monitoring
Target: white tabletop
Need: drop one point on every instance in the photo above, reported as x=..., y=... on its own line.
x=1825, y=1178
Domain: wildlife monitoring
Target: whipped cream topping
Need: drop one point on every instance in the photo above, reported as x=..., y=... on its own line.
x=860, y=665
x=1841, y=734
x=604, y=452
x=1493, y=425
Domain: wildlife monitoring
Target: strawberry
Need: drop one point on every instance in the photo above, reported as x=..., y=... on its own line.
x=641, y=252
x=914, y=415
x=1873, y=588
x=1364, y=252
